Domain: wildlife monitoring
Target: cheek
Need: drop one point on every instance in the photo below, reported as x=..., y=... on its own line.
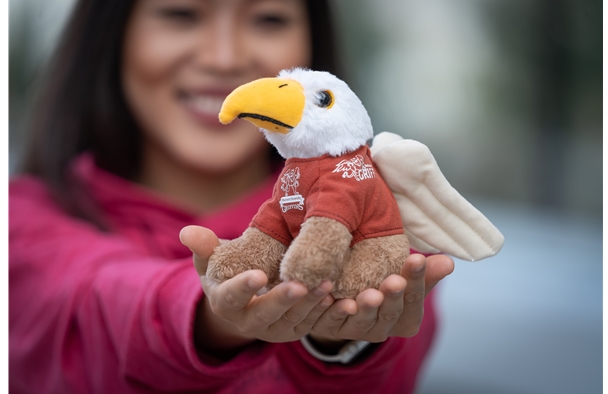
x=143, y=78
x=278, y=61
x=153, y=52
x=151, y=57
x=286, y=52
x=149, y=63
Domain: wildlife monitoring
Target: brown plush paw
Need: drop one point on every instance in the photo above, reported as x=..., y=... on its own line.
x=317, y=253
x=252, y=250
x=371, y=261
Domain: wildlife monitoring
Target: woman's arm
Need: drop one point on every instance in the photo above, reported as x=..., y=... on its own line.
x=90, y=311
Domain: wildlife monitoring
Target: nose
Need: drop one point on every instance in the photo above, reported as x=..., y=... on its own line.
x=221, y=50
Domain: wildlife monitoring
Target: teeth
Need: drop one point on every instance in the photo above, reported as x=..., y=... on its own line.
x=207, y=105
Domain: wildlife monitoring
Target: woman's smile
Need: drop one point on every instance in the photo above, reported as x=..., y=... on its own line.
x=203, y=106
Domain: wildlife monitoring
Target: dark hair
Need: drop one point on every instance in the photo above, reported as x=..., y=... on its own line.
x=81, y=106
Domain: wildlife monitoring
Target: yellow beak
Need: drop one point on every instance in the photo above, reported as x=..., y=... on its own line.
x=270, y=103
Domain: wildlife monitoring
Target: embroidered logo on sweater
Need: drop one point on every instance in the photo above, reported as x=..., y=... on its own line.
x=355, y=168
x=290, y=183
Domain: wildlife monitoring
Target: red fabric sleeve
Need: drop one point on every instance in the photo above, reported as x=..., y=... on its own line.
x=93, y=313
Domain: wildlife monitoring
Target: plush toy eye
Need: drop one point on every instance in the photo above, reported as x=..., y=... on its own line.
x=325, y=99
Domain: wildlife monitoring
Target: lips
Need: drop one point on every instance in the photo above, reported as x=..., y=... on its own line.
x=203, y=106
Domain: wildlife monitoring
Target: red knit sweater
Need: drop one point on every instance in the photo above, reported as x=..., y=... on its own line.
x=347, y=188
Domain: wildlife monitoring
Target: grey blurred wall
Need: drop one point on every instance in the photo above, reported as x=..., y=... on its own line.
x=506, y=93
x=34, y=27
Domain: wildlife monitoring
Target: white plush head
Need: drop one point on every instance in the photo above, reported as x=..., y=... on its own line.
x=340, y=128
x=303, y=113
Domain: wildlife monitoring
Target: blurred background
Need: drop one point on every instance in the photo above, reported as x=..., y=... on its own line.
x=508, y=96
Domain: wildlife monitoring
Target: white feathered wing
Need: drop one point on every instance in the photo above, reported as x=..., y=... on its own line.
x=436, y=218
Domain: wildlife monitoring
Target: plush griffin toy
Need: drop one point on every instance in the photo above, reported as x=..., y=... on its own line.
x=336, y=214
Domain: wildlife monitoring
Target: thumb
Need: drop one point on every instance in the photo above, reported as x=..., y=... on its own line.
x=438, y=267
x=201, y=241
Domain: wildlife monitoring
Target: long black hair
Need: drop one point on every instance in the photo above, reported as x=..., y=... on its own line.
x=81, y=106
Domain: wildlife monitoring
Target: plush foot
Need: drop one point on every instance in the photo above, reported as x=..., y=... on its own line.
x=371, y=261
x=317, y=253
x=252, y=250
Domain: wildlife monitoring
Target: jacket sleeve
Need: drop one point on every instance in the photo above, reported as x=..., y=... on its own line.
x=85, y=304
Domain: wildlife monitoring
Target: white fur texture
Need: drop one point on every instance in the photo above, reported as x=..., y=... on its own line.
x=337, y=130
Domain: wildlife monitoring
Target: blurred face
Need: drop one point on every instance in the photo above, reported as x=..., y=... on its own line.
x=183, y=57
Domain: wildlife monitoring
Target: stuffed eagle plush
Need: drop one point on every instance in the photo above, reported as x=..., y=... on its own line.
x=336, y=214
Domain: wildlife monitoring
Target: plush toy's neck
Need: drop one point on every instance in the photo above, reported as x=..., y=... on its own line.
x=305, y=144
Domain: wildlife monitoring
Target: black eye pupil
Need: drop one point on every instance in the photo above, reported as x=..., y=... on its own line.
x=324, y=99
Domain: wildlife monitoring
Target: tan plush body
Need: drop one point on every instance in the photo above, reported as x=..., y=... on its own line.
x=321, y=251
x=329, y=218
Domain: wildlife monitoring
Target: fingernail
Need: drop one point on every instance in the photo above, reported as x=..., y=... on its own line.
x=342, y=312
x=253, y=284
x=327, y=301
x=418, y=268
x=318, y=291
x=398, y=293
x=293, y=295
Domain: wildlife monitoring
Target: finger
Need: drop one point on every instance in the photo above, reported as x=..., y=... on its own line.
x=413, y=298
x=315, y=314
x=333, y=318
x=390, y=310
x=437, y=267
x=270, y=307
x=230, y=298
x=357, y=325
x=201, y=241
x=304, y=314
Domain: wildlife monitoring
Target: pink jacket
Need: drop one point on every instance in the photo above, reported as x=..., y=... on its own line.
x=94, y=312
